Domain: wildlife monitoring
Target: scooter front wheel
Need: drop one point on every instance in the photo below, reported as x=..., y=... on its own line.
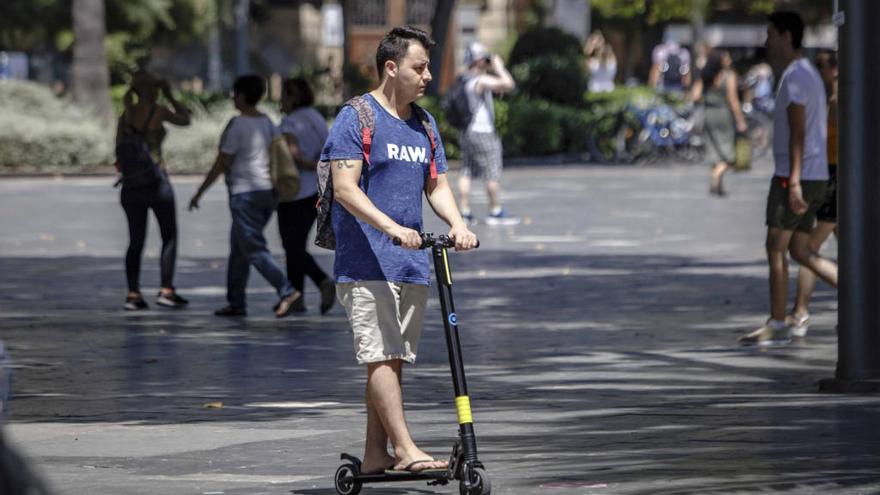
x=346, y=480
x=478, y=483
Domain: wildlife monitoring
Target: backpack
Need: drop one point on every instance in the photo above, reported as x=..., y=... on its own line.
x=134, y=158
x=324, y=235
x=282, y=168
x=672, y=76
x=456, y=105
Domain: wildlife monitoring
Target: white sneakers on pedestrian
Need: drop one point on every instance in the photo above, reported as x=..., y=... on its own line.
x=766, y=335
x=501, y=218
x=172, y=300
x=798, y=324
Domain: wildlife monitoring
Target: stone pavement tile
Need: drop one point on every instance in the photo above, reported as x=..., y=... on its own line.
x=599, y=339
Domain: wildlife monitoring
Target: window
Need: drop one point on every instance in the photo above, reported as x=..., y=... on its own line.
x=369, y=13
x=420, y=12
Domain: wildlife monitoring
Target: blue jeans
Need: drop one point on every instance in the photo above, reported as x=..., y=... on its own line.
x=251, y=212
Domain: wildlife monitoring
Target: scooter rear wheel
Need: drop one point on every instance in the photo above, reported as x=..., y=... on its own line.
x=346, y=483
x=480, y=484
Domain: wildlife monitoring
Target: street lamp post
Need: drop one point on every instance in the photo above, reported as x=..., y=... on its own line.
x=240, y=13
x=858, y=362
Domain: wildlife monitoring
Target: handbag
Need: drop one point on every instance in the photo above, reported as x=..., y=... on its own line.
x=743, y=153
x=283, y=169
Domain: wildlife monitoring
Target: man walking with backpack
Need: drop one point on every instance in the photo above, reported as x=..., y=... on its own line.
x=670, y=66
x=480, y=144
x=383, y=154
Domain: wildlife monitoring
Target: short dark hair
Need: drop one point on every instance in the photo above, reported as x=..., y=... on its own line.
x=251, y=86
x=789, y=22
x=298, y=86
x=395, y=44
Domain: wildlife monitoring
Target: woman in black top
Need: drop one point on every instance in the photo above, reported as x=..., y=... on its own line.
x=143, y=113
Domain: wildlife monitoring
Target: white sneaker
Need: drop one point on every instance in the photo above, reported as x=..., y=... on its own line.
x=765, y=336
x=502, y=218
x=798, y=325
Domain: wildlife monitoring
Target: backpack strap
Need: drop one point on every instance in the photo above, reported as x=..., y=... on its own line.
x=146, y=125
x=429, y=129
x=367, y=121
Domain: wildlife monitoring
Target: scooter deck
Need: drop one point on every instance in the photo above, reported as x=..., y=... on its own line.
x=427, y=472
x=400, y=475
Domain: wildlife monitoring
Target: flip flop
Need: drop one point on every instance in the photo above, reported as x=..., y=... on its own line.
x=409, y=467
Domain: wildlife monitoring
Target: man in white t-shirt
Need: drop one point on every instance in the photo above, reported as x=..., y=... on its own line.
x=244, y=158
x=480, y=145
x=797, y=189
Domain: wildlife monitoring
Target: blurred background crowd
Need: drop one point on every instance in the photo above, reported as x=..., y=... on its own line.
x=612, y=81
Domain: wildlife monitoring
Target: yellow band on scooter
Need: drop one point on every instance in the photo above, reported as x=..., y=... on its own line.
x=446, y=265
x=463, y=404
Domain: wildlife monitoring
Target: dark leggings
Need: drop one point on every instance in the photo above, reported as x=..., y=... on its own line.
x=295, y=219
x=137, y=202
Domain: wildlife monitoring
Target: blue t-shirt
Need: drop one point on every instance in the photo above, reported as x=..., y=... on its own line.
x=400, y=159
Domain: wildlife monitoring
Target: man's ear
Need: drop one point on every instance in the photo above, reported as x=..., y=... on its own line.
x=391, y=68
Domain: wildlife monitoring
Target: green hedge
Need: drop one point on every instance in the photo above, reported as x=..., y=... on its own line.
x=534, y=127
x=547, y=64
x=40, y=132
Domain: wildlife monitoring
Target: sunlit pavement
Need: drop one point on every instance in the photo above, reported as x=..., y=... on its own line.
x=599, y=339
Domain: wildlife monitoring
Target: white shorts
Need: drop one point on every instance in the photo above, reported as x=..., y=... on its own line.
x=385, y=317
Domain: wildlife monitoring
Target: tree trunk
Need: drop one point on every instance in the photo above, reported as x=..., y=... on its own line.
x=215, y=52
x=91, y=77
x=439, y=29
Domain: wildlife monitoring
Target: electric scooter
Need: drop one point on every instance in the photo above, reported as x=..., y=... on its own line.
x=463, y=463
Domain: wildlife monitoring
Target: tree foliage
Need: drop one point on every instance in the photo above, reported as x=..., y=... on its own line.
x=132, y=26
x=659, y=11
x=31, y=24
x=547, y=64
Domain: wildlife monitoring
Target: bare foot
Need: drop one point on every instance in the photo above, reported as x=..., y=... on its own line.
x=419, y=462
x=378, y=465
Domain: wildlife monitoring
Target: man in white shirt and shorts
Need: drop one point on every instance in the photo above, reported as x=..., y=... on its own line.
x=480, y=144
x=797, y=189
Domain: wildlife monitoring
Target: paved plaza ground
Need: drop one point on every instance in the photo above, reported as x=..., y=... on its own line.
x=599, y=339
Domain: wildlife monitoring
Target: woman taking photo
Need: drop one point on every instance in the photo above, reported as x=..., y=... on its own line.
x=144, y=115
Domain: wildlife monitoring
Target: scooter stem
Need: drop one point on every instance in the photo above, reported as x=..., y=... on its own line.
x=453, y=346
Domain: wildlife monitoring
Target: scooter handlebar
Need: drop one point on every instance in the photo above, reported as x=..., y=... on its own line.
x=428, y=240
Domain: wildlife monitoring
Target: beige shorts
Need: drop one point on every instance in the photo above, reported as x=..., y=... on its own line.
x=385, y=317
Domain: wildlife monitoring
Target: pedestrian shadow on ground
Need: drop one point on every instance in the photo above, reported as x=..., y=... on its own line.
x=74, y=346
x=610, y=369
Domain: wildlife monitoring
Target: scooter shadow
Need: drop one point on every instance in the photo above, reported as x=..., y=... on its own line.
x=375, y=490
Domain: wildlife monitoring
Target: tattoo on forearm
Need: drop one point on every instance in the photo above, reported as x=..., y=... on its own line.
x=340, y=164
